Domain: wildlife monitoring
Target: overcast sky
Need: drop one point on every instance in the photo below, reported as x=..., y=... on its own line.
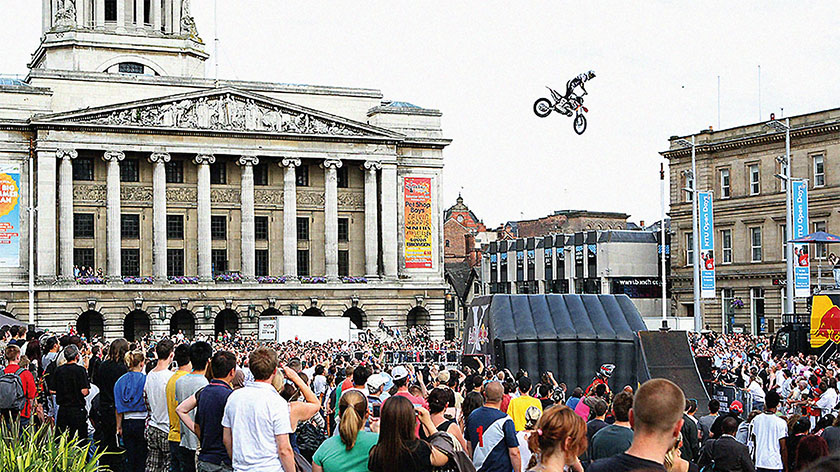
x=484, y=63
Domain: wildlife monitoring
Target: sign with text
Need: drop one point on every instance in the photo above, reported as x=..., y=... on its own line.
x=268, y=329
x=9, y=215
x=707, y=244
x=802, y=269
x=418, y=222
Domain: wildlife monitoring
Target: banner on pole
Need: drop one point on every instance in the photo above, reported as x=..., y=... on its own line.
x=802, y=269
x=9, y=215
x=707, y=245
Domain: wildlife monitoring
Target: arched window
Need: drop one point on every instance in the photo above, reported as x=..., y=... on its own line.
x=226, y=321
x=183, y=321
x=90, y=324
x=136, y=325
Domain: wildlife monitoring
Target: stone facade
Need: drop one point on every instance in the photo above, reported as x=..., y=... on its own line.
x=290, y=198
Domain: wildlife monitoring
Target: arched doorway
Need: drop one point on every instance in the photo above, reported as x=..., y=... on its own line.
x=418, y=316
x=357, y=317
x=226, y=320
x=183, y=321
x=313, y=312
x=136, y=325
x=90, y=324
x=271, y=312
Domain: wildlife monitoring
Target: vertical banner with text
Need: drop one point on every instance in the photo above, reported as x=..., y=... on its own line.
x=802, y=269
x=707, y=244
x=9, y=215
x=418, y=222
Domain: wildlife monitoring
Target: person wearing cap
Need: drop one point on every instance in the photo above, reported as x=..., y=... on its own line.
x=375, y=394
x=532, y=415
x=735, y=410
x=400, y=376
x=71, y=386
x=520, y=404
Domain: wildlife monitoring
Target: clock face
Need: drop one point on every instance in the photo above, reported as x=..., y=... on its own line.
x=460, y=218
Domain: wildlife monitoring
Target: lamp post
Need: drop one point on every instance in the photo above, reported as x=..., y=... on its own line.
x=662, y=248
x=695, y=240
x=786, y=178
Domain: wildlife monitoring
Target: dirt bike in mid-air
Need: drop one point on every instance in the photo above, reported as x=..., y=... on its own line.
x=569, y=106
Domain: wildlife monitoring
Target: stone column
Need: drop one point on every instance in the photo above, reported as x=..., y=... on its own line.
x=159, y=244
x=154, y=15
x=99, y=14
x=120, y=15
x=139, y=14
x=389, y=220
x=81, y=9
x=289, y=217
x=112, y=216
x=47, y=15
x=45, y=230
x=331, y=167
x=176, y=17
x=205, y=243
x=65, y=213
x=371, y=220
x=247, y=217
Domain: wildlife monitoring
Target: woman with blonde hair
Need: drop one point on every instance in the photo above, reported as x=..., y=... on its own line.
x=674, y=462
x=131, y=410
x=558, y=440
x=348, y=451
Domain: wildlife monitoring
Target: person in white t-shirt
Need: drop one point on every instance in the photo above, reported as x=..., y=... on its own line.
x=256, y=421
x=768, y=430
x=157, y=430
x=756, y=391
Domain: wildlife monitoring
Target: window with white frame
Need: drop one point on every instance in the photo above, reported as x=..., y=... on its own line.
x=689, y=184
x=755, y=243
x=783, y=240
x=727, y=296
x=755, y=179
x=726, y=246
x=724, y=183
x=819, y=170
x=689, y=249
x=783, y=170
x=820, y=251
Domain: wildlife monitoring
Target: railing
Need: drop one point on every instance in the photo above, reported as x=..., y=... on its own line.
x=448, y=358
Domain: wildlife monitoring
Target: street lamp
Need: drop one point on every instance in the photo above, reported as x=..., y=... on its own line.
x=695, y=240
x=786, y=178
x=664, y=326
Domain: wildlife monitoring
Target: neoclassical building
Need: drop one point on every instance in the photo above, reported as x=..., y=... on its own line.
x=137, y=195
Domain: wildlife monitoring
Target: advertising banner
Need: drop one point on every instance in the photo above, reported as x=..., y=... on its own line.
x=9, y=215
x=707, y=245
x=477, y=328
x=268, y=329
x=802, y=269
x=418, y=222
x=825, y=320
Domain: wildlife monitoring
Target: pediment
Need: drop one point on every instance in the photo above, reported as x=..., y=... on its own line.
x=226, y=109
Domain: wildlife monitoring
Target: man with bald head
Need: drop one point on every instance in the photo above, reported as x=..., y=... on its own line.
x=491, y=437
x=656, y=419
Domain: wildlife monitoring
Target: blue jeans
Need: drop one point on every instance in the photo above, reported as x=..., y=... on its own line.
x=135, y=444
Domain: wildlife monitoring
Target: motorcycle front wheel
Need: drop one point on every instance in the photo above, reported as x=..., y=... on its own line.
x=580, y=124
x=542, y=107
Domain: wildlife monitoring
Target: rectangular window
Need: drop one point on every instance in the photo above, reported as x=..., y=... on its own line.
x=343, y=263
x=783, y=170
x=218, y=259
x=689, y=184
x=218, y=173
x=303, y=229
x=343, y=180
x=174, y=262
x=130, y=226
x=724, y=183
x=261, y=228
x=819, y=170
x=175, y=172
x=218, y=227
x=759, y=322
x=83, y=257
x=261, y=262
x=174, y=226
x=302, y=175
x=726, y=246
x=83, y=169
x=130, y=262
x=755, y=179
x=83, y=225
x=130, y=170
x=111, y=10
x=303, y=262
x=689, y=249
x=820, y=251
x=727, y=296
x=755, y=244
x=344, y=229
x=261, y=174
x=783, y=234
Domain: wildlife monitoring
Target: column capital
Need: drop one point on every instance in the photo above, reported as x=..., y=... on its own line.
x=290, y=162
x=204, y=159
x=332, y=163
x=66, y=153
x=115, y=156
x=248, y=160
x=160, y=158
x=372, y=166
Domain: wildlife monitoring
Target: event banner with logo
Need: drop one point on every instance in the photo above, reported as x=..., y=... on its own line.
x=418, y=222
x=9, y=215
x=802, y=269
x=707, y=245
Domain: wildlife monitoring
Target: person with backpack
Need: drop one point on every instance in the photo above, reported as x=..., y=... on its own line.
x=17, y=388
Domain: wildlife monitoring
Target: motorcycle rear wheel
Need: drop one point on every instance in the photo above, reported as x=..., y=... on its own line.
x=580, y=124
x=542, y=107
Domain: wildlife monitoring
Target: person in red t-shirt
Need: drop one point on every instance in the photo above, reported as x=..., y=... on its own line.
x=13, y=365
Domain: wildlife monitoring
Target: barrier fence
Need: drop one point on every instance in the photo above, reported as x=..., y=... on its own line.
x=448, y=358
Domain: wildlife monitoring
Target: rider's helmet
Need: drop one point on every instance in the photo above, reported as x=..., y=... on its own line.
x=606, y=370
x=590, y=75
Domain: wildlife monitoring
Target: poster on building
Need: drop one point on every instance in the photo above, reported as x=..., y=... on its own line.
x=707, y=245
x=9, y=215
x=802, y=269
x=418, y=222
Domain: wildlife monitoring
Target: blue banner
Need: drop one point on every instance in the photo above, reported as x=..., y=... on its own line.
x=9, y=215
x=707, y=244
x=802, y=269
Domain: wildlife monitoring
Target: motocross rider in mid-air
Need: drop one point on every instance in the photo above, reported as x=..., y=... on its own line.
x=578, y=81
